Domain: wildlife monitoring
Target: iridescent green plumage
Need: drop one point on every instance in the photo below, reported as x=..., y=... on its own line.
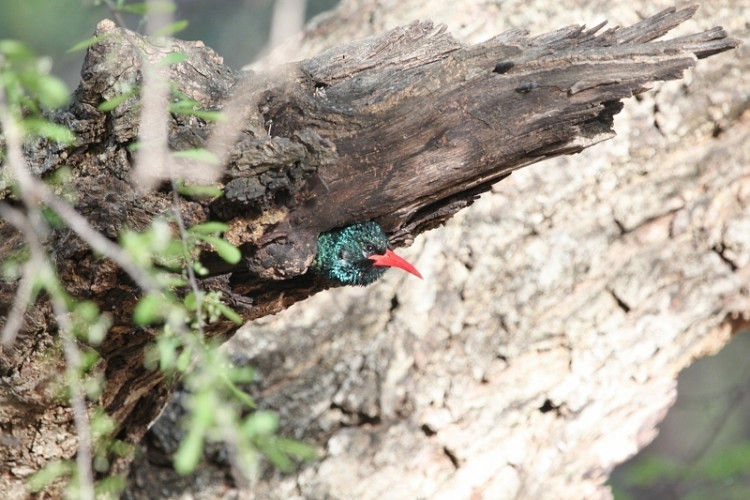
x=356, y=255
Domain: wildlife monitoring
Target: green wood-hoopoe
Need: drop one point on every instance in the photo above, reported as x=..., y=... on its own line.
x=357, y=255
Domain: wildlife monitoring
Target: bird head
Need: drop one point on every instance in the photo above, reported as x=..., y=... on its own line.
x=357, y=255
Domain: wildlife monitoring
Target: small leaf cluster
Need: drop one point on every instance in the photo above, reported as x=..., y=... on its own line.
x=167, y=257
x=218, y=410
x=29, y=90
x=104, y=448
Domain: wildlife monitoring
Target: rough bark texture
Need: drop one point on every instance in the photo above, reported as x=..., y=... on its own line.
x=513, y=389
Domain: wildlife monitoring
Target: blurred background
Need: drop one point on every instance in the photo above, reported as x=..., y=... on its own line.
x=702, y=449
x=238, y=30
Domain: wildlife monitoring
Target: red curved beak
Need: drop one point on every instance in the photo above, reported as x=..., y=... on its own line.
x=390, y=259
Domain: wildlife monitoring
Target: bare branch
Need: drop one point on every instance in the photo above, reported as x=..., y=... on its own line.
x=14, y=320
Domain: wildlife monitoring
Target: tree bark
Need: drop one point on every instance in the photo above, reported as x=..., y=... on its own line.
x=407, y=128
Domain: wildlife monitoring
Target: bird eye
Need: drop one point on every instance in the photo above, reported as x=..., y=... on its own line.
x=368, y=247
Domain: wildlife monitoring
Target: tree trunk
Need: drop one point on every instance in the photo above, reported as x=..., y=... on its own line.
x=407, y=128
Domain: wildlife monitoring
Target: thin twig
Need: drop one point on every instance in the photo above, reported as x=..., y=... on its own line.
x=14, y=320
x=115, y=13
x=188, y=261
x=152, y=157
x=98, y=242
x=287, y=20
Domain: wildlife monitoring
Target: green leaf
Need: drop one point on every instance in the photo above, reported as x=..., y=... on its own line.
x=98, y=330
x=51, y=217
x=174, y=282
x=238, y=393
x=243, y=374
x=200, y=191
x=183, y=360
x=101, y=424
x=171, y=257
x=138, y=246
x=189, y=453
x=85, y=44
x=87, y=311
x=149, y=309
x=49, y=473
x=88, y=360
x=160, y=234
x=181, y=101
x=191, y=301
x=111, y=104
x=198, y=154
x=143, y=9
x=261, y=423
x=211, y=227
x=166, y=352
x=226, y=250
x=134, y=8
x=51, y=91
x=189, y=107
x=11, y=268
x=15, y=51
x=60, y=177
x=229, y=313
x=209, y=116
x=297, y=448
x=172, y=28
x=121, y=448
x=200, y=269
x=45, y=279
x=49, y=130
x=173, y=58
x=110, y=487
x=268, y=446
x=101, y=464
